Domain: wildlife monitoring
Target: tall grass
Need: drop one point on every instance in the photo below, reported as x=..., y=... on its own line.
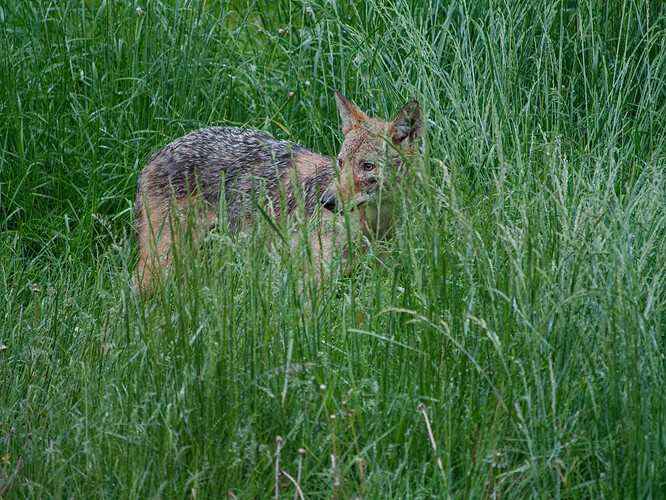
x=523, y=303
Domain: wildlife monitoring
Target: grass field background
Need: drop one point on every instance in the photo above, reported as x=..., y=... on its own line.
x=523, y=304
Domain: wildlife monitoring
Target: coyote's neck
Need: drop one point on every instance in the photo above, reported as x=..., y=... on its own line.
x=377, y=220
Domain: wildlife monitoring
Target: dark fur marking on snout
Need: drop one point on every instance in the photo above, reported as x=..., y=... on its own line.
x=329, y=203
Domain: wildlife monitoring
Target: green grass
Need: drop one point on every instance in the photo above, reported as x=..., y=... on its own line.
x=523, y=303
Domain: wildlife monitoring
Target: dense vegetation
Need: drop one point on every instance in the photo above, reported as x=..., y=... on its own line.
x=523, y=304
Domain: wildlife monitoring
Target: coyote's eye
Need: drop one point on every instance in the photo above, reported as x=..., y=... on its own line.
x=367, y=166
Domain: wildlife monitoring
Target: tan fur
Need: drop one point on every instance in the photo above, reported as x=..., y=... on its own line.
x=178, y=189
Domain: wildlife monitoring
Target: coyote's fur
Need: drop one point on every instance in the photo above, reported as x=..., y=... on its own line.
x=178, y=190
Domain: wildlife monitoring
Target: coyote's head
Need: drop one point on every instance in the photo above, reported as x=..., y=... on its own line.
x=372, y=157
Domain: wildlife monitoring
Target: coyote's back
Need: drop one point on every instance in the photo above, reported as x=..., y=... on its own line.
x=179, y=188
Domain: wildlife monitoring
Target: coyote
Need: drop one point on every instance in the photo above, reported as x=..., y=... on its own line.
x=179, y=189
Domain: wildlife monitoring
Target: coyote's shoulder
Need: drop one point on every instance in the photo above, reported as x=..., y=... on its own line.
x=184, y=180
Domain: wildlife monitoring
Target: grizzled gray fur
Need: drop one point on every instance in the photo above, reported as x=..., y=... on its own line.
x=243, y=164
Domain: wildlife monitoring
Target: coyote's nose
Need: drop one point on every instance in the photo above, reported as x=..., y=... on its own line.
x=328, y=201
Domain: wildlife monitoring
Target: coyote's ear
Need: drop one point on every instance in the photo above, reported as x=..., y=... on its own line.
x=407, y=126
x=351, y=116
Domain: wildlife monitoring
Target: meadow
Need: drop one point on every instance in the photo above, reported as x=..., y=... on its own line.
x=512, y=346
